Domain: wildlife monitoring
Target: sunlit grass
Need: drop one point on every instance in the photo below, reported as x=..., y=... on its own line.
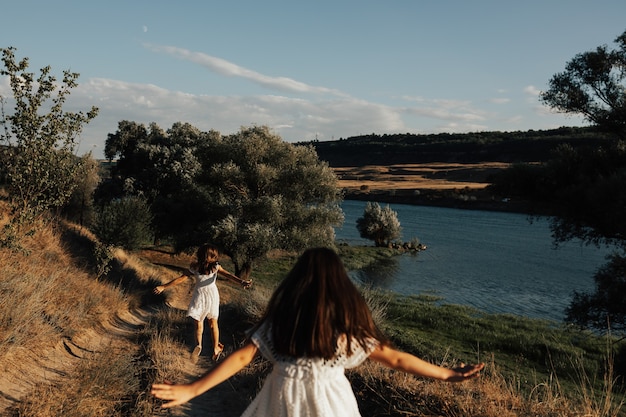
x=58, y=355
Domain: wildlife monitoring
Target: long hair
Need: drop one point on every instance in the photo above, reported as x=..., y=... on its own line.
x=207, y=256
x=315, y=305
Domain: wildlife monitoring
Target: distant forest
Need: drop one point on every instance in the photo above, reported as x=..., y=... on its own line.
x=512, y=147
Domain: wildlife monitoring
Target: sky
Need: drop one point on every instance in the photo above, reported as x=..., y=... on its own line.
x=315, y=70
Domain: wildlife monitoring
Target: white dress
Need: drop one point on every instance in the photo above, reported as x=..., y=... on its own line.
x=304, y=386
x=205, y=300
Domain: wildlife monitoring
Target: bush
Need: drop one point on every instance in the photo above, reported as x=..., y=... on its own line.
x=379, y=224
x=124, y=222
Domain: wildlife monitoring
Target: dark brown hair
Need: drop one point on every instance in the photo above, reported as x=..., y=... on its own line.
x=315, y=305
x=207, y=255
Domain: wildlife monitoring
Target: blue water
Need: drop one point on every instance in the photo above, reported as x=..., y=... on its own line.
x=497, y=262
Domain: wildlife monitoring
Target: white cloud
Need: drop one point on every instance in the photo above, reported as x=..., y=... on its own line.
x=294, y=119
x=295, y=110
x=229, y=69
x=447, y=110
x=515, y=120
x=532, y=90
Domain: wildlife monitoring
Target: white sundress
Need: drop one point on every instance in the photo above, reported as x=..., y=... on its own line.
x=205, y=299
x=306, y=387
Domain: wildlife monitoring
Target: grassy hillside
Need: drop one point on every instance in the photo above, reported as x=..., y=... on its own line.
x=78, y=344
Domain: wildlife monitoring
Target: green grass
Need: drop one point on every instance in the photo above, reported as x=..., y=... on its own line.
x=529, y=349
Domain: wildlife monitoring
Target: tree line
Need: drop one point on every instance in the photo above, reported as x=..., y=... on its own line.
x=473, y=147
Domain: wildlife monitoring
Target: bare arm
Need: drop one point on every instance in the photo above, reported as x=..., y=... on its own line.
x=159, y=289
x=179, y=394
x=411, y=364
x=235, y=278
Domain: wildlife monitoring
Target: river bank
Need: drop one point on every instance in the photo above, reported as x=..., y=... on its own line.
x=476, y=199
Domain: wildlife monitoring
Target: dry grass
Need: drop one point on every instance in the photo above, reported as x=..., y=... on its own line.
x=391, y=393
x=431, y=176
x=100, y=385
x=75, y=344
x=46, y=299
x=68, y=340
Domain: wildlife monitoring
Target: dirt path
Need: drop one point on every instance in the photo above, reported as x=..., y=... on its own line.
x=225, y=400
x=229, y=398
x=20, y=378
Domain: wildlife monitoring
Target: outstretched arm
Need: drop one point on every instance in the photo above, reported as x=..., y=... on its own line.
x=159, y=289
x=179, y=394
x=411, y=364
x=244, y=283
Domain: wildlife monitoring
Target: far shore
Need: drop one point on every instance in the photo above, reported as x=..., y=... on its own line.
x=462, y=186
x=447, y=199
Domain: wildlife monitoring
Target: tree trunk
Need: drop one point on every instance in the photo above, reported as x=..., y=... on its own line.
x=244, y=270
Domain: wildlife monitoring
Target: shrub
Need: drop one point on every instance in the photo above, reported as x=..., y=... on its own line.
x=124, y=222
x=379, y=224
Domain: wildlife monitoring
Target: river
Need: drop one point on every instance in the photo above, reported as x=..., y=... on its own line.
x=496, y=262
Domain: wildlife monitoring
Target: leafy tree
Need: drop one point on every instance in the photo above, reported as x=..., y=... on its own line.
x=158, y=165
x=151, y=161
x=261, y=193
x=605, y=307
x=593, y=84
x=587, y=186
x=584, y=186
x=379, y=224
x=39, y=162
x=249, y=192
x=79, y=207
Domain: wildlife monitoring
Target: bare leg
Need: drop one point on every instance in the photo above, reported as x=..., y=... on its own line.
x=217, y=346
x=199, y=329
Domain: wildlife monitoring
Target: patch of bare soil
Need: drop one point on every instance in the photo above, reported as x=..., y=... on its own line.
x=430, y=176
x=229, y=398
x=441, y=184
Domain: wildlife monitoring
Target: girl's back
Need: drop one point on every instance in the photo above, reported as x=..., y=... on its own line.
x=306, y=386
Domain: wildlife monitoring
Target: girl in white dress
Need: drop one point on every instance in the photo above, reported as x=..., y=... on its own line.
x=205, y=299
x=315, y=326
